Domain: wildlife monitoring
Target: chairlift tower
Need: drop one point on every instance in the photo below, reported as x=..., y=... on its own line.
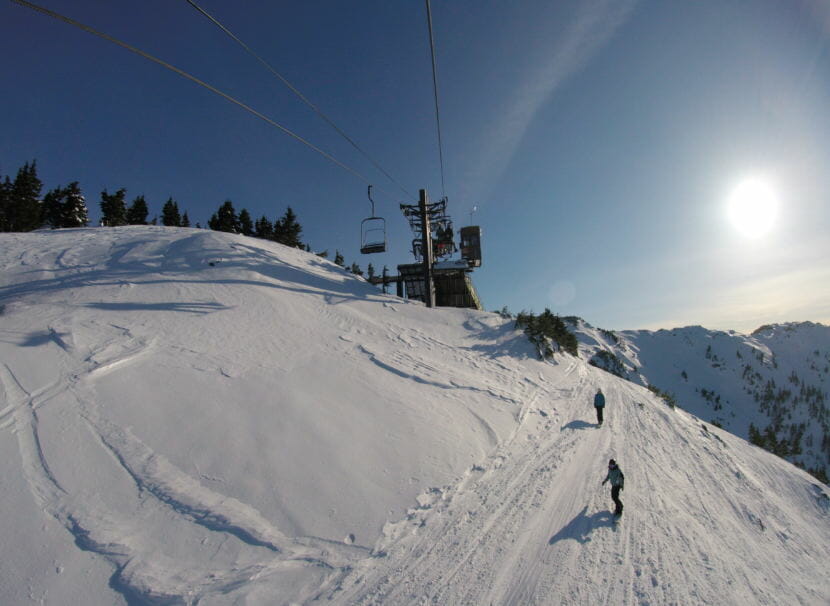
x=433, y=278
x=420, y=217
x=426, y=246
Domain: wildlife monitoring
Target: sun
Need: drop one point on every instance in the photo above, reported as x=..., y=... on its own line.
x=753, y=207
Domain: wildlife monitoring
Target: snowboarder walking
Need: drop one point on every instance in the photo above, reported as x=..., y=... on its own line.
x=599, y=404
x=617, y=478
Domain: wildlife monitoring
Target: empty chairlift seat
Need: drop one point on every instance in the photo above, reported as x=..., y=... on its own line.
x=373, y=235
x=372, y=231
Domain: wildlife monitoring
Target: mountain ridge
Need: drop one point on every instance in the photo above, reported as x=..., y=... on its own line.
x=770, y=386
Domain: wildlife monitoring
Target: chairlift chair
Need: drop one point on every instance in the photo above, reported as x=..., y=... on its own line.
x=443, y=244
x=372, y=232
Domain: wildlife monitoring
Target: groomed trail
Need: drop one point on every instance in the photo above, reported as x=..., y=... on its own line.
x=189, y=417
x=533, y=525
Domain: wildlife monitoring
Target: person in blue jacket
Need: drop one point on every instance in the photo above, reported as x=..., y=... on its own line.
x=599, y=404
x=615, y=475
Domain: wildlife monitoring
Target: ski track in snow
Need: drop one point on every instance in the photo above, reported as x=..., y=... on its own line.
x=529, y=527
x=448, y=551
x=418, y=370
x=153, y=578
x=149, y=576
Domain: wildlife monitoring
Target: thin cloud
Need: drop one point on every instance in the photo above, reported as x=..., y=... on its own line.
x=594, y=24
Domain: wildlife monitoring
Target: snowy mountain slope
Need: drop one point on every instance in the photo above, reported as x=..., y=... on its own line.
x=190, y=417
x=532, y=526
x=777, y=379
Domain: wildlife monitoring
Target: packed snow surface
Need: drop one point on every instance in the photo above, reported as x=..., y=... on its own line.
x=192, y=417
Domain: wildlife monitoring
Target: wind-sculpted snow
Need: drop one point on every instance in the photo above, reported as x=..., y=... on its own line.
x=146, y=577
x=190, y=417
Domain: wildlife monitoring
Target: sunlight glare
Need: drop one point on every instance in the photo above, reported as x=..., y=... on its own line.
x=753, y=207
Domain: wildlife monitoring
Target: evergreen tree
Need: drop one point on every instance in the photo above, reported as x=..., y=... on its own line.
x=137, y=212
x=546, y=330
x=355, y=269
x=246, y=226
x=5, y=204
x=170, y=214
x=75, y=213
x=324, y=254
x=370, y=271
x=185, y=220
x=287, y=230
x=53, y=203
x=25, y=207
x=225, y=219
x=264, y=229
x=338, y=259
x=555, y=328
x=113, y=208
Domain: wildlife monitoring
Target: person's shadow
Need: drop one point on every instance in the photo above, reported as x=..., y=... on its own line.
x=578, y=425
x=581, y=527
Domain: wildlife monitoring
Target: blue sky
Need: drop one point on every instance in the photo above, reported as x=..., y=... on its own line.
x=599, y=140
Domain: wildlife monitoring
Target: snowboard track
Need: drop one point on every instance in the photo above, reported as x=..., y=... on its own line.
x=150, y=578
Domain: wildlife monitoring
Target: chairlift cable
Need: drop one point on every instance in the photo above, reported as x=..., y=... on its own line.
x=196, y=80
x=300, y=95
x=435, y=90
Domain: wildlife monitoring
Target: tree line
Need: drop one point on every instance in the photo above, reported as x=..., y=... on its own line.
x=284, y=230
x=22, y=208
x=115, y=212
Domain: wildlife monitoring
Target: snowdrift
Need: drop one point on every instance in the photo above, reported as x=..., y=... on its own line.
x=191, y=417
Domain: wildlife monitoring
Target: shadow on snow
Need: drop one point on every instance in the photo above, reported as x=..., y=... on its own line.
x=578, y=425
x=581, y=527
x=179, y=261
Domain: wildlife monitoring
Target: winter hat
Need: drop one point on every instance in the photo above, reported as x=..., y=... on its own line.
x=612, y=463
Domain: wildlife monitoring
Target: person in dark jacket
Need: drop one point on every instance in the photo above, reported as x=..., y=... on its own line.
x=599, y=404
x=615, y=475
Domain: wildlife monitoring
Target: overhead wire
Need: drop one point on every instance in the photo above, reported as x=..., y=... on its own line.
x=202, y=83
x=435, y=91
x=300, y=95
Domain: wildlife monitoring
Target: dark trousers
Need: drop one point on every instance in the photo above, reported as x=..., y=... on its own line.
x=599, y=414
x=615, y=496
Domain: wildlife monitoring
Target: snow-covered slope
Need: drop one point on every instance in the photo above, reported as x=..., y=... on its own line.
x=195, y=417
x=777, y=379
